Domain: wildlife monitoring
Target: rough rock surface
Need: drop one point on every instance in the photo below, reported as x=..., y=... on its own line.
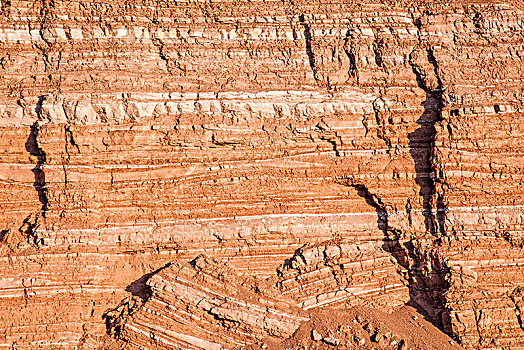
x=205, y=305
x=340, y=274
x=142, y=133
x=202, y=305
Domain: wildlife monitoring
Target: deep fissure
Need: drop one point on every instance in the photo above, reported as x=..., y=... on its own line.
x=412, y=258
x=35, y=150
x=422, y=140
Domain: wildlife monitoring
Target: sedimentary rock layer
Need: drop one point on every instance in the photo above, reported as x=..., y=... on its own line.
x=206, y=305
x=203, y=305
x=343, y=274
x=141, y=133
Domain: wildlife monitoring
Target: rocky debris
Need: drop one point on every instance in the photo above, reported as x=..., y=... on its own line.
x=331, y=341
x=334, y=328
x=316, y=336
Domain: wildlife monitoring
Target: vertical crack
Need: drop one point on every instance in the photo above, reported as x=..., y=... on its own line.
x=426, y=270
x=422, y=140
x=332, y=60
x=349, y=49
x=392, y=236
x=31, y=223
x=477, y=313
x=46, y=15
x=69, y=141
x=323, y=81
x=35, y=150
x=335, y=144
x=330, y=136
x=517, y=296
x=161, y=52
x=172, y=64
x=308, y=37
x=375, y=202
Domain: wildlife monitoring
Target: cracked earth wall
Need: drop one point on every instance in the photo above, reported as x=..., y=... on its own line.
x=137, y=134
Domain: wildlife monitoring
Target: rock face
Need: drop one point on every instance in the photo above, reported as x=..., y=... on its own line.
x=346, y=154
x=203, y=305
x=340, y=274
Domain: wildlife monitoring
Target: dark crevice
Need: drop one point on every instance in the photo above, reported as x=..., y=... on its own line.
x=375, y=202
x=330, y=136
x=350, y=51
x=34, y=149
x=334, y=143
x=391, y=235
x=307, y=35
x=38, y=108
x=422, y=148
x=408, y=212
x=330, y=55
x=69, y=141
x=115, y=318
x=426, y=270
x=160, y=46
x=353, y=70
x=3, y=235
x=427, y=266
x=417, y=23
x=311, y=56
x=28, y=229
x=378, y=45
x=434, y=63
x=171, y=63
x=516, y=297
x=140, y=288
x=288, y=263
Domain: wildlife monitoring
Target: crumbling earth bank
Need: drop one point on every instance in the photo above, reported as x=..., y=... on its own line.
x=329, y=159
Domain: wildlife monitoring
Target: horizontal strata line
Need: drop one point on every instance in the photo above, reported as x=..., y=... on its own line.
x=48, y=292
x=230, y=96
x=306, y=215
x=179, y=165
x=49, y=324
x=350, y=292
x=186, y=339
x=187, y=319
x=456, y=210
x=119, y=254
x=322, y=281
x=42, y=342
x=242, y=303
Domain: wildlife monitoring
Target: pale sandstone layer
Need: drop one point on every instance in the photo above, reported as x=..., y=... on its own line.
x=137, y=134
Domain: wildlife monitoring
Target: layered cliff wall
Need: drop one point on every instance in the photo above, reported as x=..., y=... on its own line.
x=137, y=134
